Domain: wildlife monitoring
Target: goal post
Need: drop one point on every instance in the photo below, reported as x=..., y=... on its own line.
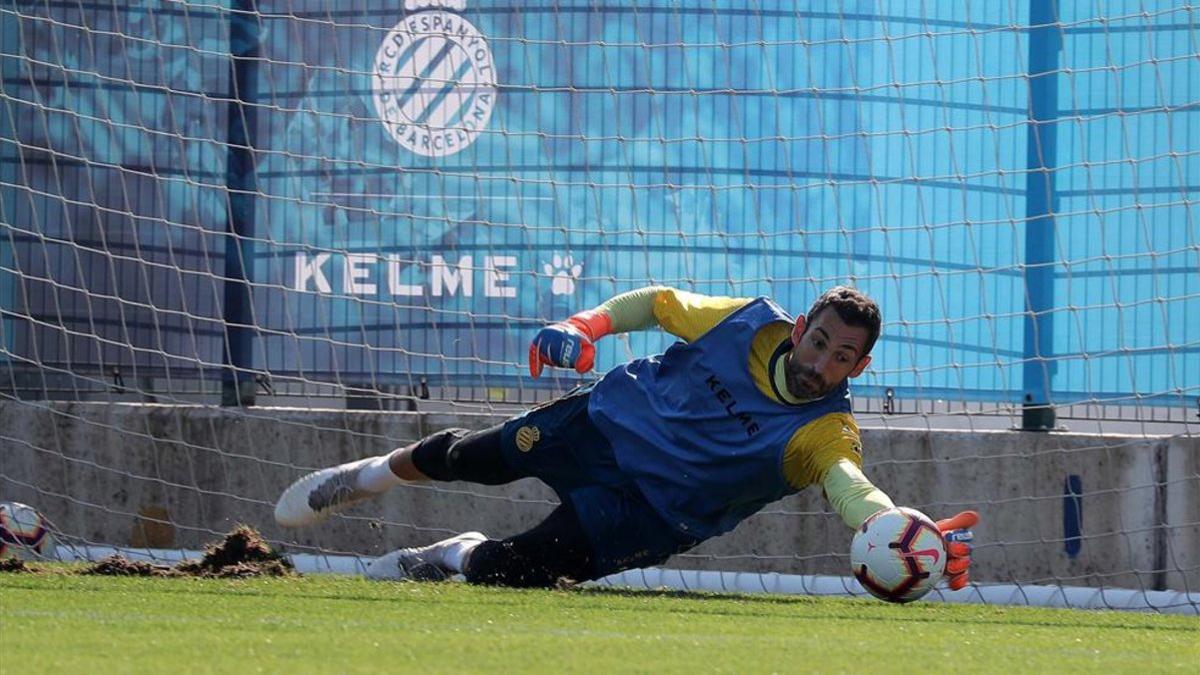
x=240, y=240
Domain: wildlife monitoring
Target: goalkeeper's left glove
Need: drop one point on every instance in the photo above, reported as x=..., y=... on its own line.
x=570, y=343
x=957, y=535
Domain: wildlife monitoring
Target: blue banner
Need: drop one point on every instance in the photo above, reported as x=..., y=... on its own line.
x=437, y=179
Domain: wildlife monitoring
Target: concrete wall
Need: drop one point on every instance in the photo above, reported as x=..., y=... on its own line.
x=109, y=472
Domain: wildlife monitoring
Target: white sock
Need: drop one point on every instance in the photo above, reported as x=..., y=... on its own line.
x=377, y=476
x=457, y=548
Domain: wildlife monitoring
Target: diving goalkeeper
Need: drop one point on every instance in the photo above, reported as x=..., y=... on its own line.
x=658, y=455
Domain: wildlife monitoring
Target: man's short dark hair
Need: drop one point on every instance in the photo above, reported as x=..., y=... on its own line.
x=854, y=308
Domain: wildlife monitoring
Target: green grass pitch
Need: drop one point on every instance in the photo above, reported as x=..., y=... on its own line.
x=58, y=622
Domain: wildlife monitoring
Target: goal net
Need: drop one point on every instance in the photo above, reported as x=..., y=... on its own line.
x=243, y=239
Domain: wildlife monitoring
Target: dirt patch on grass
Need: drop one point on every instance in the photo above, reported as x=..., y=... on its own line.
x=120, y=566
x=240, y=554
x=15, y=565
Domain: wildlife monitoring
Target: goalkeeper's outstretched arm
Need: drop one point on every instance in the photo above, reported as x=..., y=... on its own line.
x=856, y=499
x=570, y=343
x=852, y=495
x=632, y=310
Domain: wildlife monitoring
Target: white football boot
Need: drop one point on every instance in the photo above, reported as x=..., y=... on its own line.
x=321, y=494
x=426, y=563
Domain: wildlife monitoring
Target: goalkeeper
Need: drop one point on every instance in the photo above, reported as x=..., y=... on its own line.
x=657, y=456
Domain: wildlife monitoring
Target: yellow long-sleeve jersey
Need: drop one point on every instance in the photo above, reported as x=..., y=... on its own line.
x=826, y=452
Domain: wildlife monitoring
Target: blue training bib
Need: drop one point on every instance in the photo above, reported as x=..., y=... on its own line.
x=700, y=439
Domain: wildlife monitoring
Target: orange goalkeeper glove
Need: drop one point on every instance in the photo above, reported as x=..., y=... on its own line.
x=957, y=535
x=569, y=344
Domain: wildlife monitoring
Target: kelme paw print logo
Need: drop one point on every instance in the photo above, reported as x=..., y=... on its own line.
x=564, y=271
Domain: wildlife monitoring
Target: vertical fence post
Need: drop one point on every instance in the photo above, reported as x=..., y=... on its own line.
x=1045, y=43
x=12, y=48
x=237, y=381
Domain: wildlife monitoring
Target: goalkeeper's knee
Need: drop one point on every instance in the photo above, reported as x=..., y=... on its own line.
x=502, y=563
x=458, y=454
x=431, y=455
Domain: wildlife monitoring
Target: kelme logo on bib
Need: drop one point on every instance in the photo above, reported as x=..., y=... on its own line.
x=434, y=80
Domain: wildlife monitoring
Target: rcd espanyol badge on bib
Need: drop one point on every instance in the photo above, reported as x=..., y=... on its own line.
x=434, y=80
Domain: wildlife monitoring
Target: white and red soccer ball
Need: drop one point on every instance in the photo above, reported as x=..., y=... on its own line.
x=24, y=533
x=898, y=554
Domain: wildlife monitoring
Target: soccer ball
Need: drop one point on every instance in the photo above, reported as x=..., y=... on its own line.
x=24, y=533
x=898, y=554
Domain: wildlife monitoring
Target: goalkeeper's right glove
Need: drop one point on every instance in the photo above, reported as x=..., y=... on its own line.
x=569, y=344
x=956, y=532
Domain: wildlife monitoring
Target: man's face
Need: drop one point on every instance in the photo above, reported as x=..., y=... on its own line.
x=824, y=354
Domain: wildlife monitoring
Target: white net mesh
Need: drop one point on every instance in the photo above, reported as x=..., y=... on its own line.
x=356, y=206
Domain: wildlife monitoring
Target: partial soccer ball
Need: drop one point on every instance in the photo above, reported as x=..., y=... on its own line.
x=24, y=533
x=898, y=555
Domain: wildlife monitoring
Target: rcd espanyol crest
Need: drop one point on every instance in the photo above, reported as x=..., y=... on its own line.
x=434, y=80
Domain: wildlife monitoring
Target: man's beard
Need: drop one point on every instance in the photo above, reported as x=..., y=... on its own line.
x=803, y=382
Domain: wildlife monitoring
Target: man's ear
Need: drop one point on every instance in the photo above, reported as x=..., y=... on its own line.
x=862, y=365
x=798, y=329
